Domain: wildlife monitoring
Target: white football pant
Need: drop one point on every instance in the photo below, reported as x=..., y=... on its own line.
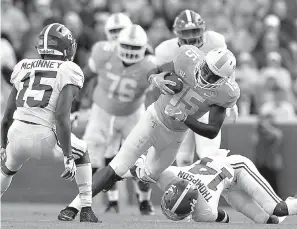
x=104, y=133
x=149, y=133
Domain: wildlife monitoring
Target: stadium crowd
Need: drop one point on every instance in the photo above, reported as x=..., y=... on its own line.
x=262, y=34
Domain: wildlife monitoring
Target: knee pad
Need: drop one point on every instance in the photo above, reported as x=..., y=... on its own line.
x=184, y=159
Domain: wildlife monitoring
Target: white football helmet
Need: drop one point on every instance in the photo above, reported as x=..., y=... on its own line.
x=131, y=44
x=218, y=66
x=114, y=24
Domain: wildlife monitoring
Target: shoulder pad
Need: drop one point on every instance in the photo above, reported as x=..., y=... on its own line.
x=165, y=51
x=101, y=51
x=70, y=73
x=231, y=93
x=217, y=39
x=15, y=71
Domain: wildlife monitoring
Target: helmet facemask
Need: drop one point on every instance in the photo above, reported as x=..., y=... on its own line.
x=130, y=54
x=206, y=78
x=192, y=36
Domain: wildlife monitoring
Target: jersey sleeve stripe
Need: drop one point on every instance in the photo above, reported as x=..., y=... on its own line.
x=259, y=180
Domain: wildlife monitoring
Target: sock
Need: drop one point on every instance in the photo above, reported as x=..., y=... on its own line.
x=5, y=181
x=223, y=217
x=113, y=195
x=76, y=203
x=84, y=182
x=292, y=205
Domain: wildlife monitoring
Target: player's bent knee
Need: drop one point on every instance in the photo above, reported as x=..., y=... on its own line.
x=83, y=159
x=209, y=217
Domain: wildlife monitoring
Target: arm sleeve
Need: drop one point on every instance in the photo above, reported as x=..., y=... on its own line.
x=70, y=73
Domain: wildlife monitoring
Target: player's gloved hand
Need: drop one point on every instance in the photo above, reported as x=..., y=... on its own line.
x=158, y=81
x=175, y=113
x=70, y=168
x=232, y=114
x=3, y=155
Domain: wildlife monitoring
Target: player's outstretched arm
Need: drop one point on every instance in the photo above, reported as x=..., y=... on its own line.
x=216, y=118
x=62, y=114
x=8, y=116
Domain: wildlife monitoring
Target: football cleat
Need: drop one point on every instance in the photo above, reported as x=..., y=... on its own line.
x=87, y=215
x=179, y=200
x=132, y=44
x=146, y=208
x=67, y=214
x=112, y=205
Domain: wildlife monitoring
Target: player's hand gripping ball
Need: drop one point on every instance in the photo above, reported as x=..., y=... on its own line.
x=175, y=78
x=179, y=200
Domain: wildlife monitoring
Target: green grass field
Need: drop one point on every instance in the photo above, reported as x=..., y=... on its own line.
x=44, y=216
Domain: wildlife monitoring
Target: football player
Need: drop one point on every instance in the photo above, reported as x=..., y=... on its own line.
x=235, y=177
x=207, y=86
x=37, y=116
x=119, y=96
x=190, y=29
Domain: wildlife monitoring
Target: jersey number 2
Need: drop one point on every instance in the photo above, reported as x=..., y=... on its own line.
x=36, y=86
x=203, y=169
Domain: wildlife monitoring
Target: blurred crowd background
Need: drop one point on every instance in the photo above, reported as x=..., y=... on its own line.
x=262, y=34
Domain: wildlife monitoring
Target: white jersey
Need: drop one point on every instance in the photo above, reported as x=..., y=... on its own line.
x=211, y=176
x=39, y=83
x=168, y=50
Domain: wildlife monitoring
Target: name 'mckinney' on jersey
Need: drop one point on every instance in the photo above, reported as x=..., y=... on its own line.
x=121, y=89
x=39, y=83
x=192, y=100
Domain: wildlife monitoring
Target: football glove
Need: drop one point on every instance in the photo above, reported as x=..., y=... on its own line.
x=70, y=168
x=175, y=113
x=158, y=81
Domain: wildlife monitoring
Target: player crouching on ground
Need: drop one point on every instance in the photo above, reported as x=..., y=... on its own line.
x=37, y=116
x=234, y=177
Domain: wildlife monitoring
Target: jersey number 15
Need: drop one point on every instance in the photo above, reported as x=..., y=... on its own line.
x=36, y=86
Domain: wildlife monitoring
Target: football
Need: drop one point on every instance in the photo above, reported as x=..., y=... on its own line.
x=175, y=78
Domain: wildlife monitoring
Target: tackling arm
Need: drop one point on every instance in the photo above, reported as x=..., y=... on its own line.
x=62, y=114
x=8, y=116
x=216, y=118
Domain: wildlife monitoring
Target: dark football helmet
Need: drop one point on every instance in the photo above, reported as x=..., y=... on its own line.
x=56, y=39
x=189, y=28
x=179, y=200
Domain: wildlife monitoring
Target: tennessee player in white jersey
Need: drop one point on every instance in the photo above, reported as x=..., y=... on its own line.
x=207, y=86
x=237, y=179
x=189, y=28
x=121, y=68
x=37, y=117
